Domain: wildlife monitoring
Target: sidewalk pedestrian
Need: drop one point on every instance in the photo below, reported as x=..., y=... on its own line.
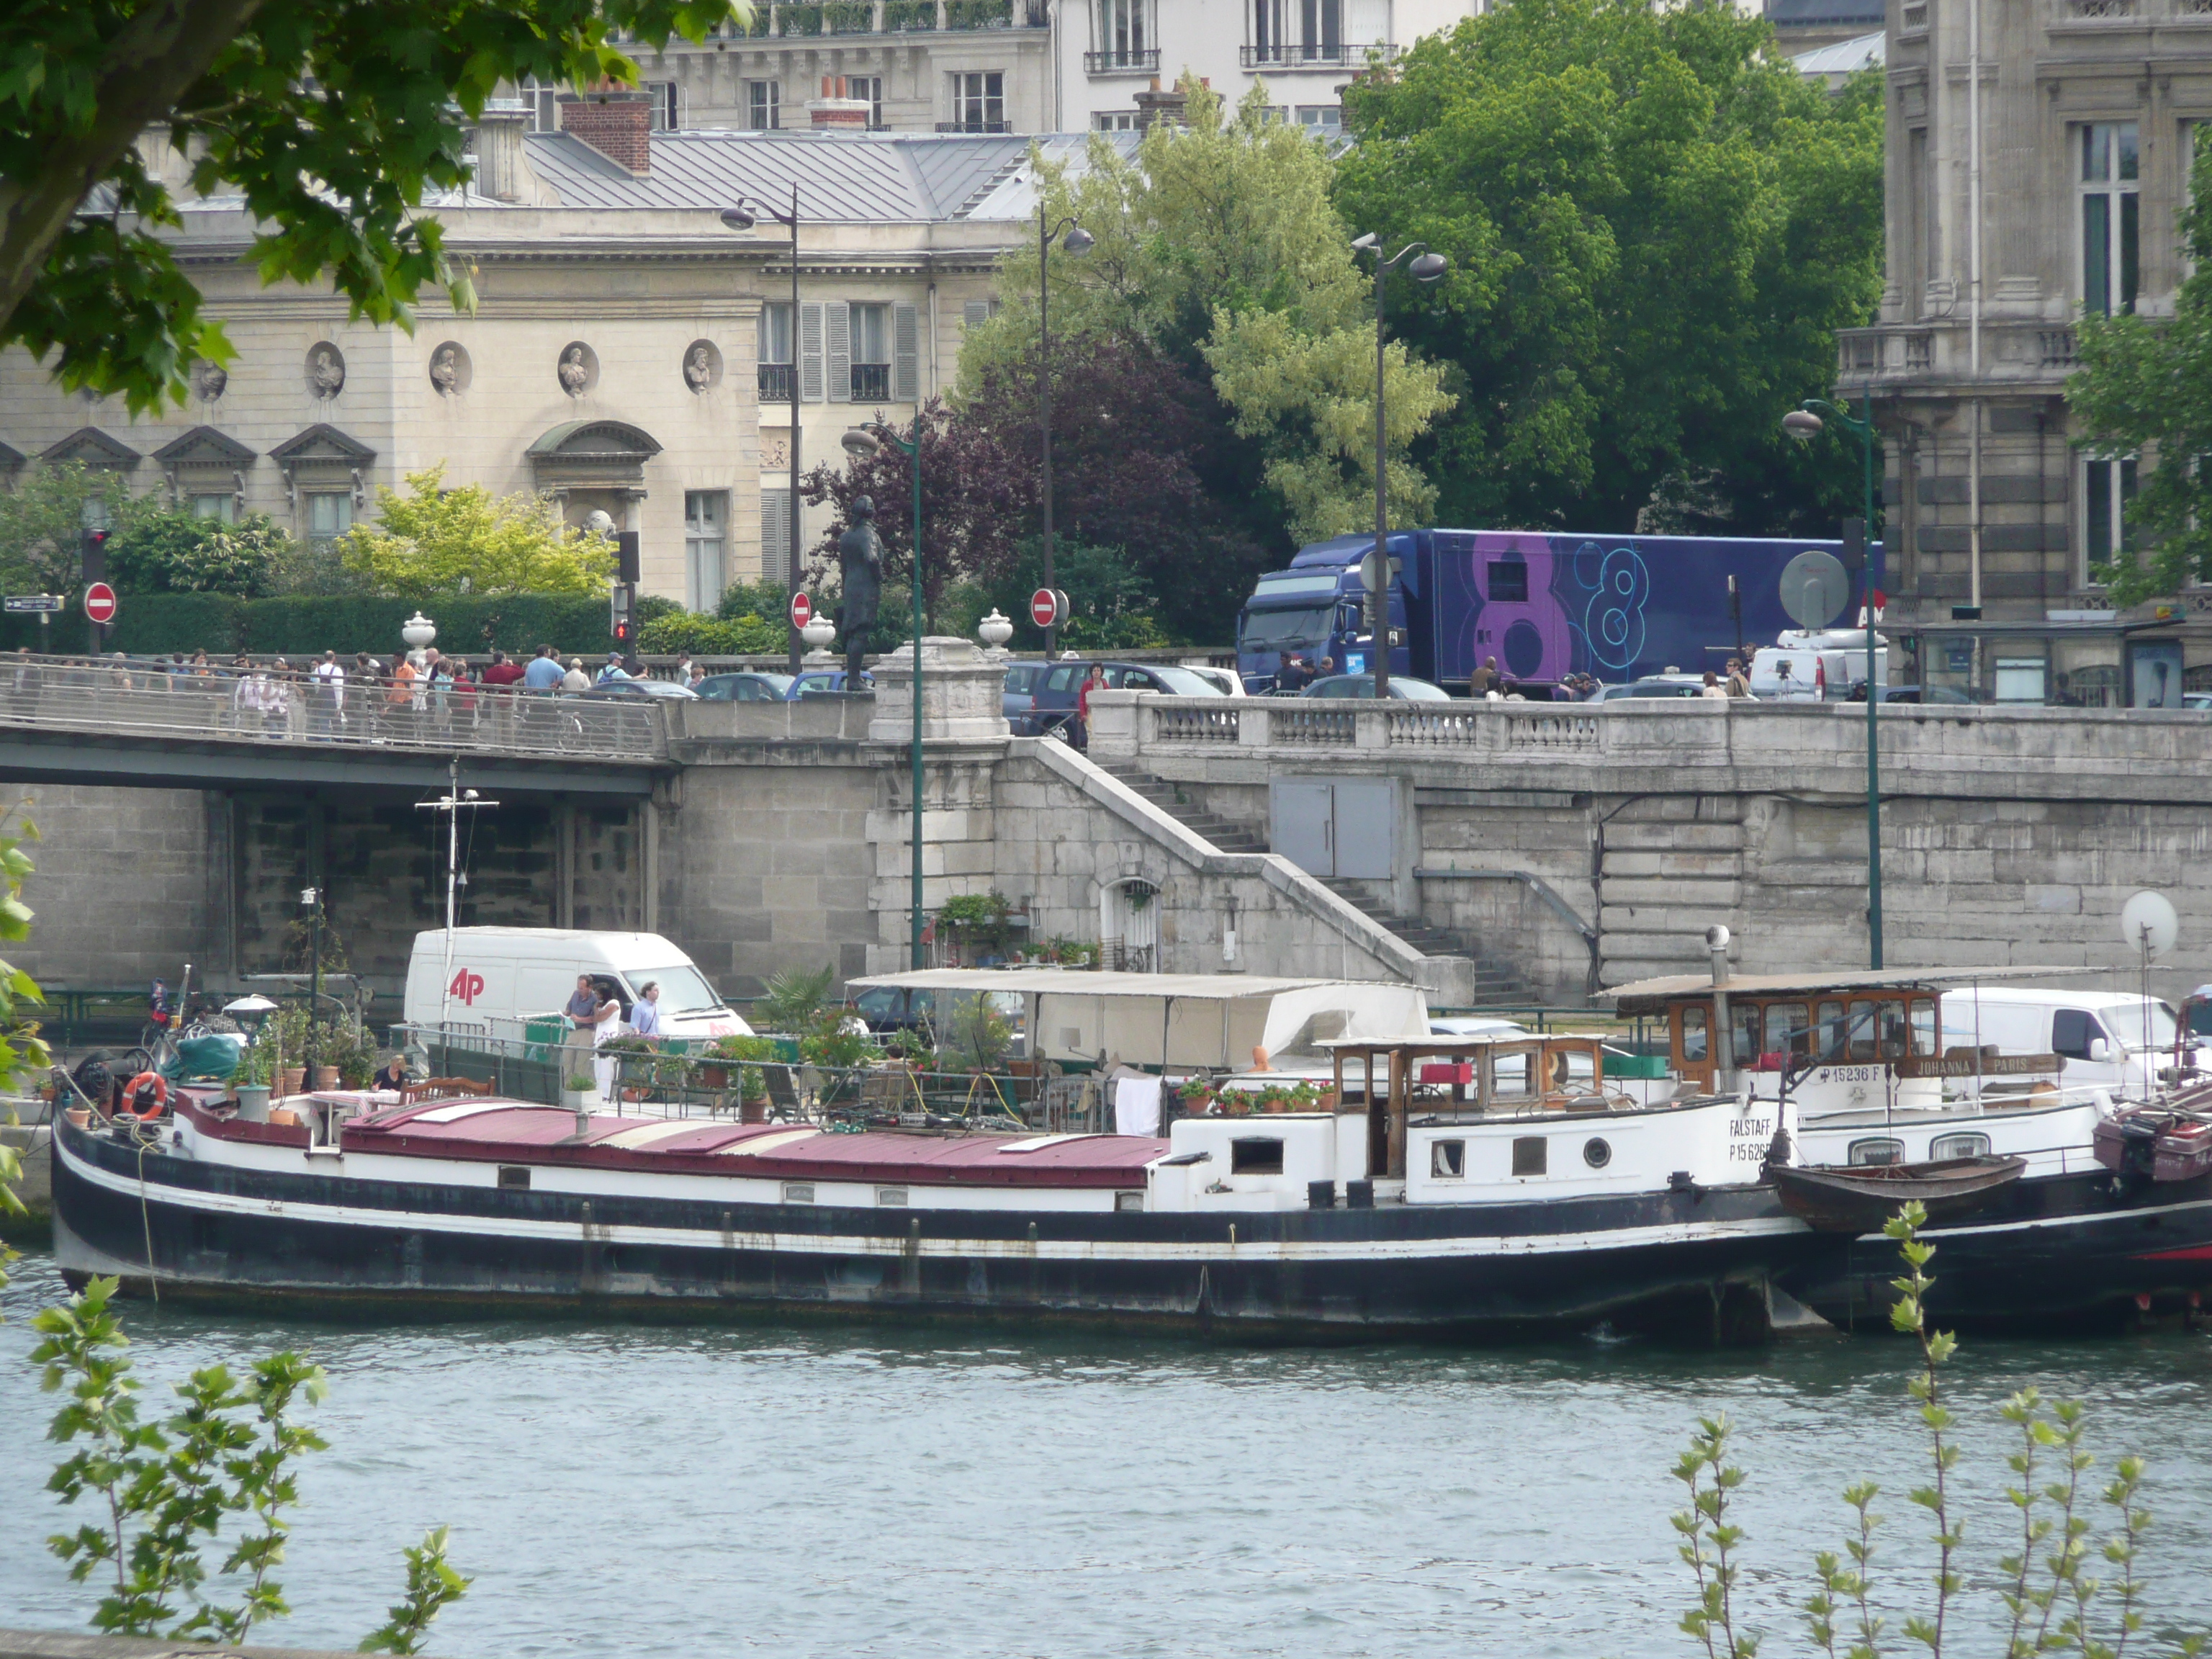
x=399, y=702
x=575, y=679
x=501, y=682
x=329, y=689
x=614, y=670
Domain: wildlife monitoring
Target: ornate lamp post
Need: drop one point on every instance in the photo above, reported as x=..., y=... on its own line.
x=861, y=442
x=1803, y=424
x=1078, y=241
x=1425, y=267
x=742, y=217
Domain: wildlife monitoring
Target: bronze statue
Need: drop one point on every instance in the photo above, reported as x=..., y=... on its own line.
x=861, y=561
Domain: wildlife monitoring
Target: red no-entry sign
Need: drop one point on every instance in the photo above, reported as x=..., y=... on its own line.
x=1048, y=608
x=99, y=603
x=802, y=610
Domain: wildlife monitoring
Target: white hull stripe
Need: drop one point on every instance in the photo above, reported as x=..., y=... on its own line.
x=1619, y=1238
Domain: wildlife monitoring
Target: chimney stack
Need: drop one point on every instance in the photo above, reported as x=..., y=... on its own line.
x=1156, y=105
x=617, y=125
x=835, y=111
x=499, y=148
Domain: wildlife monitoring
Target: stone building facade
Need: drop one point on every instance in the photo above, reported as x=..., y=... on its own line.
x=2077, y=149
x=629, y=354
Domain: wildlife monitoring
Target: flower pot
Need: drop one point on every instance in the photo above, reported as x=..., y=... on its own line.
x=326, y=1077
x=717, y=1077
x=253, y=1103
x=80, y=1116
x=754, y=1110
x=292, y=1079
x=575, y=1100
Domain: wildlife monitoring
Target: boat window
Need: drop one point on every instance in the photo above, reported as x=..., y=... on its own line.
x=514, y=1177
x=1829, y=1044
x=1876, y=1151
x=1509, y=1074
x=1126, y=1202
x=799, y=1192
x=1892, y=1033
x=1743, y=1028
x=1529, y=1155
x=1596, y=1153
x=1860, y=1043
x=1786, y=1033
x=1255, y=1157
x=1694, y=1036
x=1945, y=1146
x=2072, y=1032
x=1448, y=1159
x=1923, y=1027
x=890, y=1198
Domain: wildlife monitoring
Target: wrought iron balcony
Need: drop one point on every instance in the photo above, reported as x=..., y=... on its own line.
x=1294, y=55
x=872, y=383
x=774, y=383
x=1136, y=62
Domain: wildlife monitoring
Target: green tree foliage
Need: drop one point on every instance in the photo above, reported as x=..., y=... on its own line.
x=465, y=540
x=162, y=551
x=432, y=1584
x=42, y=521
x=1217, y=246
x=23, y=1053
x=1655, y=227
x=2145, y=387
x=331, y=119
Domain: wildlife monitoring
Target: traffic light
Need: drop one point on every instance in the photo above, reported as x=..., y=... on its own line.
x=93, y=551
x=624, y=614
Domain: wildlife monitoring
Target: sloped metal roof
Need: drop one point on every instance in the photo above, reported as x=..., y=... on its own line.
x=892, y=178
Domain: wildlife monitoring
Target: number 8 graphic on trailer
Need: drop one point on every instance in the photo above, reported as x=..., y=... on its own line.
x=1620, y=585
x=466, y=987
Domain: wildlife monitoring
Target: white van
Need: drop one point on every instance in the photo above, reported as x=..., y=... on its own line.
x=1816, y=667
x=2110, y=1039
x=503, y=975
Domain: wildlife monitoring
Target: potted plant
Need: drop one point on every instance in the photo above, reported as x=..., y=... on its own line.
x=752, y=1086
x=577, y=1091
x=976, y=927
x=255, y=1066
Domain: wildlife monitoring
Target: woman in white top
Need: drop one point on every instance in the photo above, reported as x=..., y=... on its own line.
x=606, y=1023
x=1713, y=688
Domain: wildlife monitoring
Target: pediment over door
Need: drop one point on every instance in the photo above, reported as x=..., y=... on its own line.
x=591, y=455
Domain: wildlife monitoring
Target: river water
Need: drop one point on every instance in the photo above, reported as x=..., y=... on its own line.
x=806, y=1489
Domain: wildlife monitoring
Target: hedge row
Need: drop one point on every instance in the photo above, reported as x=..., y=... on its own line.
x=149, y=622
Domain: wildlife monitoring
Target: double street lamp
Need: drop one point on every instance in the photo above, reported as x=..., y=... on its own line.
x=744, y=217
x=1424, y=267
x=1078, y=241
x=1803, y=424
x=862, y=442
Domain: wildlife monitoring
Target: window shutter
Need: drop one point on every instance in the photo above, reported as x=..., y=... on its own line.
x=810, y=351
x=776, y=531
x=906, y=354
x=975, y=314
x=840, y=353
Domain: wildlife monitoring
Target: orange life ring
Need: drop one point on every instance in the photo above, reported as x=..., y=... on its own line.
x=160, y=1085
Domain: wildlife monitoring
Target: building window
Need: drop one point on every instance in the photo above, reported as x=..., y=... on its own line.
x=1324, y=120
x=223, y=509
x=776, y=531
x=1126, y=39
x=2107, y=486
x=545, y=104
x=706, y=534
x=329, y=517
x=871, y=88
x=664, y=104
x=1115, y=120
x=764, y=106
x=775, y=361
x=2109, y=218
x=979, y=101
x=1920, y=225
x=871, y=354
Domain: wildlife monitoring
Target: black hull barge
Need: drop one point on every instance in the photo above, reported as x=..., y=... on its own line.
x=1265, y=1225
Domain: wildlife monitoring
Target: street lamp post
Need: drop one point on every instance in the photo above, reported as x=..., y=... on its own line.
x=1426, y=267
x=861, y=442
x=742, y=217
x=1804, y=425
x=1079, y=242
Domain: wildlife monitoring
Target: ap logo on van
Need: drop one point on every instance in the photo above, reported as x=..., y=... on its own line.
x=466, y=987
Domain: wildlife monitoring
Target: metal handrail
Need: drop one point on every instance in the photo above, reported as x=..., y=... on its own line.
x=119, y=696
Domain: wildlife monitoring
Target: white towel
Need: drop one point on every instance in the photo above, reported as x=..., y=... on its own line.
x=1137, y=1106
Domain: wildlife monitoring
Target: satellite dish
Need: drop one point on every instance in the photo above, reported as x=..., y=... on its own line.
x=1815, y=588
x=2148, y=924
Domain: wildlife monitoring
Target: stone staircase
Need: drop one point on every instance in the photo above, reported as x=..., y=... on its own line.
x=1496, y=985
x=1170, y=799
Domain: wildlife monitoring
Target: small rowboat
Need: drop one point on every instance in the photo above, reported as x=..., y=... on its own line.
x=1860, y=1198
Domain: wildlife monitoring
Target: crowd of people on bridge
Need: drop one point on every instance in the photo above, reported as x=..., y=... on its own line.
x=363, y=698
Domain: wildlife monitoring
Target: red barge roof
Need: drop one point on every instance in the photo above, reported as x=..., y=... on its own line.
x=518, y=1132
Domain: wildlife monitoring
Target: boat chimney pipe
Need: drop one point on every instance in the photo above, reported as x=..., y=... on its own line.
x=1717, y=942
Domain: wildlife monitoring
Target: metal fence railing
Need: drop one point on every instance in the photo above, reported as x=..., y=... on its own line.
x=119, y=696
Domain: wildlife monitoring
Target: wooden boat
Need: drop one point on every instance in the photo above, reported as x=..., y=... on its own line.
x=1860, y=1198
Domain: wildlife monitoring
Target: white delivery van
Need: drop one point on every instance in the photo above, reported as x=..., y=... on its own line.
x=502, y=976
x=1816, y=667
x=2110, y=1039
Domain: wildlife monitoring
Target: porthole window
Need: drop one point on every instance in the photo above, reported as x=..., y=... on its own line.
x=799, y=1192
x=1448, y=1159
x=1879, y=1150
x=1973, y=1146
x=1597, y=1152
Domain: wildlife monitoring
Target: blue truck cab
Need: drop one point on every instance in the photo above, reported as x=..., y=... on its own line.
x=1318, y=608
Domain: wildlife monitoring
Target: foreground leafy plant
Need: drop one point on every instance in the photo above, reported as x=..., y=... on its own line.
x=432, y=1583
x=2051, y=1598
x=165, y=1488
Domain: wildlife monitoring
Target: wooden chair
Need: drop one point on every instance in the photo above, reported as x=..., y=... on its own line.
x=443, y=1088
x=782, y=1093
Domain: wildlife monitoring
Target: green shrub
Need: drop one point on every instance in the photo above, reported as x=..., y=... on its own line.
x=147, y=624
x=689, y=633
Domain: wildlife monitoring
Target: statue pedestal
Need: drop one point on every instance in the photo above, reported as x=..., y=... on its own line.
x=962, y=694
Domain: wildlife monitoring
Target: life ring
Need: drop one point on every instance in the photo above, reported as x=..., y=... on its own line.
x=131, y=1090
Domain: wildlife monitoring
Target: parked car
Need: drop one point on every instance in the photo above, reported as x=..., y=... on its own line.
x=1019, y=692
x=1403, y=688
x=1231, y=685
x=1912, y=694
x=1654, y=686
x=752, y=686
x=826, y=679
x=666, y=690
x=1053, y=702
